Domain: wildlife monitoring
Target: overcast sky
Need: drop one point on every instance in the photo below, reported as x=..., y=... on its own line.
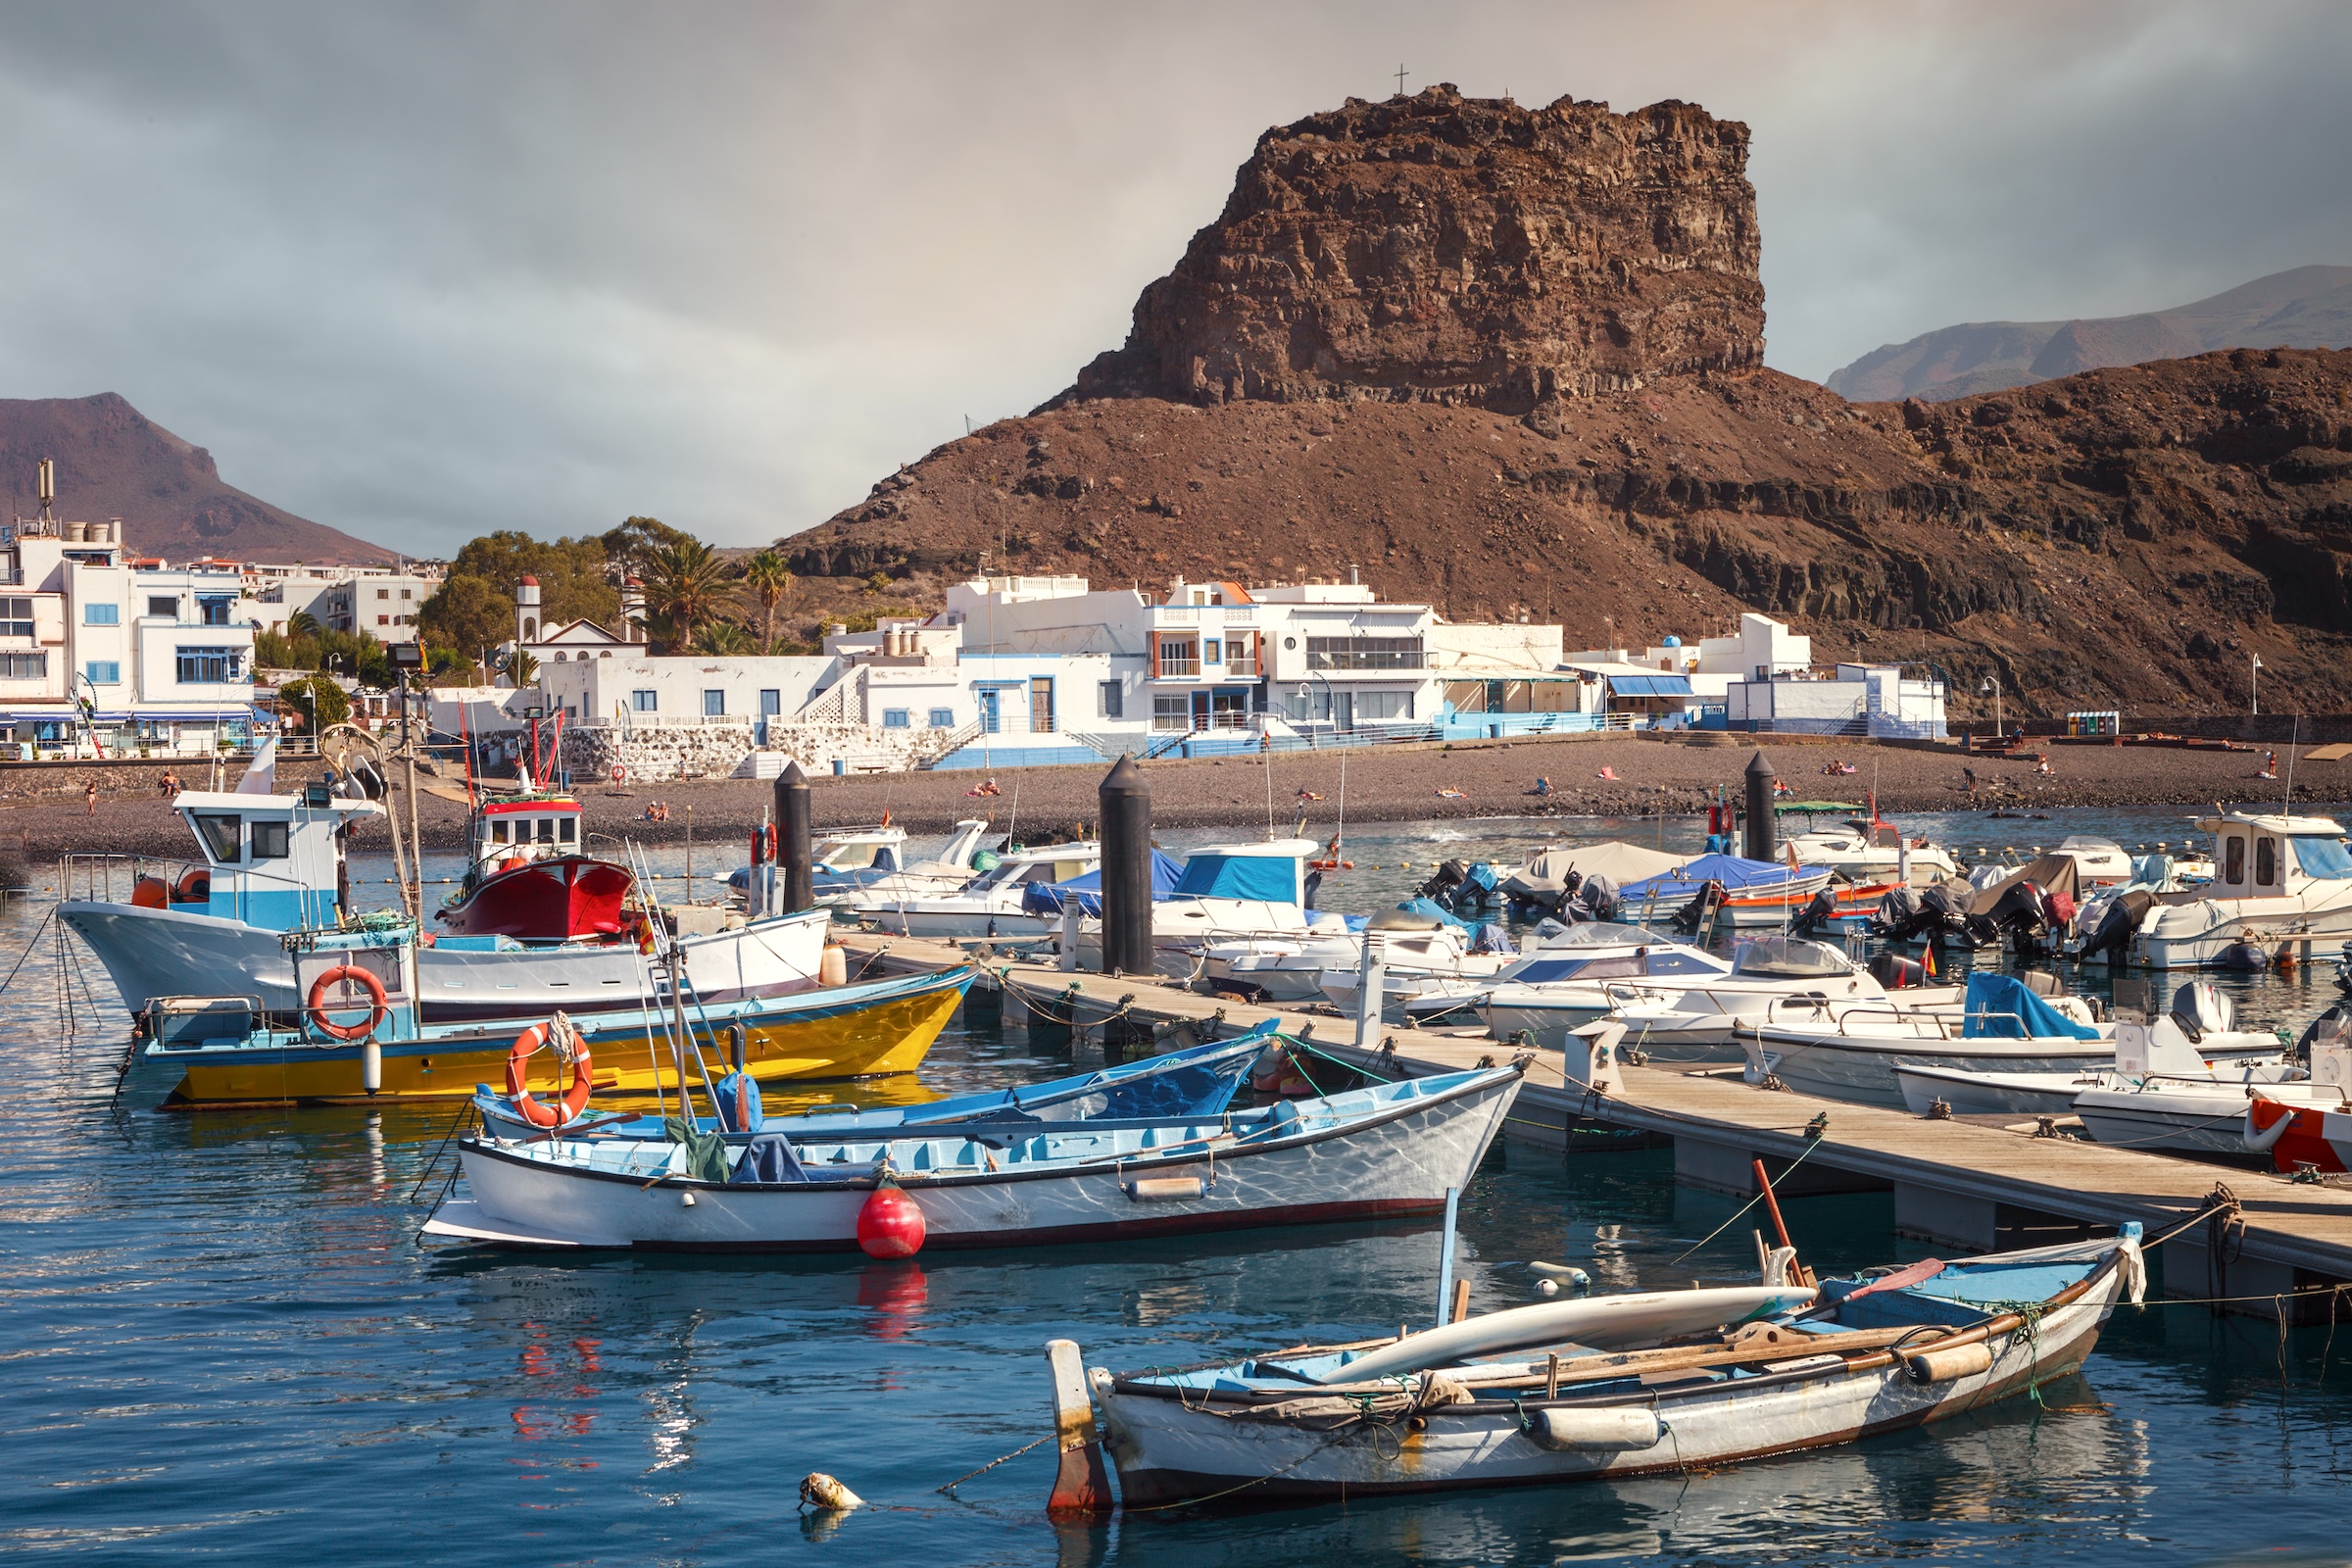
x=421, y=271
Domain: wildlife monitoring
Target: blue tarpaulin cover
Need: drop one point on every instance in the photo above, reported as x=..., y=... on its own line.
x=2001, y=1008
x=1436, y=912
x=1045, y=898
x=1264, y=878
x=1735, y=873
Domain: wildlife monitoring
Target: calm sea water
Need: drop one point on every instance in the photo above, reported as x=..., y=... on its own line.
x=222, y=1338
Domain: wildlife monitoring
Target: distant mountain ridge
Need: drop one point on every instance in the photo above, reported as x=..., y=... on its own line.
x=114, y=462
x=2303, y=308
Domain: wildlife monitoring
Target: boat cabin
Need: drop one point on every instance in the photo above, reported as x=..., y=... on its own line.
x=1257, y=873
x=860, y=849
x=2266, y=856
x=512, y=832
x=272, y=861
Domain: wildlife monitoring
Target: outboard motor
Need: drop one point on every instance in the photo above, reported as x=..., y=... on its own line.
x=1314, y=881
x=2200, y=1010
x=2022, y=916
x=1894, y=972
x=1442, y=884
x=1897, y=918
x=1820, y=913
x=1691, y=917
x=2243, y=956
x=2113, y=933
x=1597, y=899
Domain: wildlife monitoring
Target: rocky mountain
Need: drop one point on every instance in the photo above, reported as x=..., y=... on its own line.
x=2308, y=307
x=2116, y=537
x=114, y=462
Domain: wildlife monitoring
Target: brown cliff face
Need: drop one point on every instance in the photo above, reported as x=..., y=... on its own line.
x=1438, y=248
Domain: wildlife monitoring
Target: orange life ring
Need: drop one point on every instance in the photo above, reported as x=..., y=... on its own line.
x=620, y=773
x=1332, y=865
x=151, y=893
x=315, y=1010
x=195, y=886
x=575, y=1098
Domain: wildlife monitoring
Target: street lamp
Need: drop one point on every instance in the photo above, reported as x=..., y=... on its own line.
x=1330, y=701
x=2254, y=689
x=1991, y=684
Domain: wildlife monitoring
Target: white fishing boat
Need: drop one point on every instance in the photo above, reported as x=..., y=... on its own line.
x=1229, y=893
x=2004, y=1028
x=2280, y=884
x=994, y=903
x=2156, y=1060
x=1388, y=1150
x=1472, y=1405
x=1592, y=952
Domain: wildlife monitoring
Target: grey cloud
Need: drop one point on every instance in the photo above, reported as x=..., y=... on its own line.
x=420, y=270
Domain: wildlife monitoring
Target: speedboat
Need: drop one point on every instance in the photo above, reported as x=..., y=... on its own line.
x=2160, y=1093
x=2280, y=883
x=844, y=859
x=1415, y=946
x=1872, y=850
x=2098, y=863
x=993, y=903
x=1594, y=952
x=1384, y=1152
x=1852, y=1051
x=1771, y=978
x=961, y=859
x=1594, y=1388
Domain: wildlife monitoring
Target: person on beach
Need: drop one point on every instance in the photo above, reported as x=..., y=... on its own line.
x=89, y=794
x=170, y=785
x=1542, y=788
x=1449, y=793
x=2045, y=769
x=1969, y=776
x=1608, y=773
x=986, y=786
x=2269, y=766
x=1305, y=795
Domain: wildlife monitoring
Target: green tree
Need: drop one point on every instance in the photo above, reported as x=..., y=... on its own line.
x=638, y=537
x=771, y=582
x=302, y=623
x=524, y=671
x=723, y=638
x=319, y=700
x=468, y=612
x=572, y=575
x=684, y=582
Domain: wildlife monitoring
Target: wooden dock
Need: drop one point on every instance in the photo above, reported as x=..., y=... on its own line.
x=1977, y=1184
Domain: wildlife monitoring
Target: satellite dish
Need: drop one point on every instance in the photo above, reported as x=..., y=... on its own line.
x=502, y=659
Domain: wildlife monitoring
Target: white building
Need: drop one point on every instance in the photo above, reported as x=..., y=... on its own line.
x=381, y=600
x=1858, y=700
x=93, y=647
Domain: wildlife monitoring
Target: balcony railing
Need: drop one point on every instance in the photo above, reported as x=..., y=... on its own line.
x=1378, y=659
x=1179, y=668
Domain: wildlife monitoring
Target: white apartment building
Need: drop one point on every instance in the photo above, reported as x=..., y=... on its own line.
x=139, y=654
x=381, y=601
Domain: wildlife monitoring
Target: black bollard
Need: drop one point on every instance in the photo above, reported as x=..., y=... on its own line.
x=1759, y=809
x=793, y=850
x=1126, y=869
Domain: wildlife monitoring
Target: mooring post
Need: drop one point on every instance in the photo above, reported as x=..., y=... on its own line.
x=1453, y=1206
x=793, y=849
x=1759, y=809
x=1081, y=1485
x=1372, y=981
x=1126, y=810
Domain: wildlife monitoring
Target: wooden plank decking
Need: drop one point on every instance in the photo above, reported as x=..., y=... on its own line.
x=1961, y=1183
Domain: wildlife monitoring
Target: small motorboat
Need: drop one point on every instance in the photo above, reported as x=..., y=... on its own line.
x=2003, y=1027
x=2161, y=1093
x=1596, y=953
x=1195, y=1081
x=1383, y=1151
x=1415, y=946
x=1662, y=1382
x=1870, y=849
x=993, y=902
x=1785, y=979
x=2280, y=885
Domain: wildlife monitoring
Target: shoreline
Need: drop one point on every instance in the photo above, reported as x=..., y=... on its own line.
x=1651, y=779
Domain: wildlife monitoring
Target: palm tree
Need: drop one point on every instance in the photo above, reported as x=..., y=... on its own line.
x=684, y=581
x=771, y=582
x=302, y=623
x=724, y=637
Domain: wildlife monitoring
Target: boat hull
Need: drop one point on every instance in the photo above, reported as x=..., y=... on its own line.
x=1397, y=1164
x=1861, y=1067
x=853, y=1031
x=559, y=899
x=1170, y=1449
x=2195, y=934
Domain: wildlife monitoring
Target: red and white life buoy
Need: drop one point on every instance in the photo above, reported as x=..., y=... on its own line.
x=575, y=1098
x=315, y=1009
x=620, y=773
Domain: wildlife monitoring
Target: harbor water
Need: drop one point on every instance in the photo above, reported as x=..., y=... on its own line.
x=225, y=1338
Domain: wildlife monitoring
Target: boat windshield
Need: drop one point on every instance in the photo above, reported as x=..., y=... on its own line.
x=2325, y=858
x=1603, y=934
x=850, y=857
x=1789, y=958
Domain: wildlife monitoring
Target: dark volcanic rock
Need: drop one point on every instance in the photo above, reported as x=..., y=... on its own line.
x=1455, y=249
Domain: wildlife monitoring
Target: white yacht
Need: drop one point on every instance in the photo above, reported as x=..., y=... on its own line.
x=2279, y=883
x=994, y=904
x=1416, y=950
x=1864, y=850
x=955, y=866
x=1772, y=978
x=1595, y=953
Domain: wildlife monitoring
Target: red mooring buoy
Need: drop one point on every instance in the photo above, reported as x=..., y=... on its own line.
x=891, y=1225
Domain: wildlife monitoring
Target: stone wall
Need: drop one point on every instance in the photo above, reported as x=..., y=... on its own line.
x=132, y=776
x=657, y=753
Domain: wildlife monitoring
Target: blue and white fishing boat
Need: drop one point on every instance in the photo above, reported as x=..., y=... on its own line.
x=1195, y=1081
x=1589, y=1390
x=1385, y=1151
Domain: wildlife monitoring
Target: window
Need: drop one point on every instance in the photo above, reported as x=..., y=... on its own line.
x=102, y=614
x=16, y=617
x=1241, y=655
x=162, y=605
x=1363, y=652
x=209, y=667
x=715, y=704
x=24, y=667
x=771, y=702
x=405, y=593
x=215, y=608
x=1040, y=704
x=567, y=829
x=2266, y=863
x=943, y=719
x=386, y=620
x=222, y=835
x=2234, y=860
x=384, y=593
x=897, y=719
x=644, y=702
x=1172, y=712
x=1176, y=656
x=1213, y=652
x=1383, y=705
x=270, y=841
x=104, y=671
x=1110, y=700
